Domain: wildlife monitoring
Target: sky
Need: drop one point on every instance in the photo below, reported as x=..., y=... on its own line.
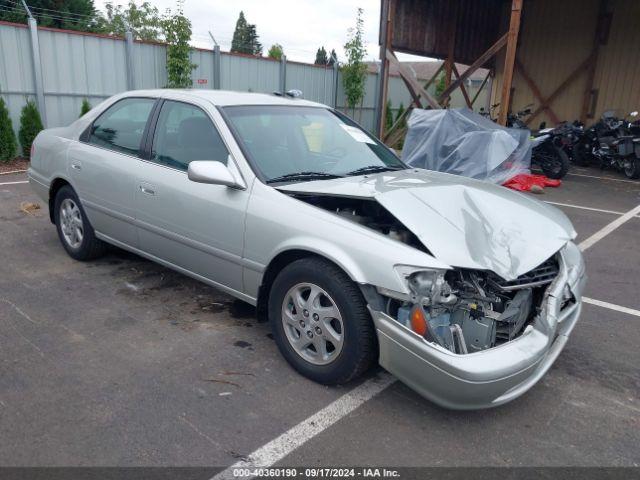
x=300, y=26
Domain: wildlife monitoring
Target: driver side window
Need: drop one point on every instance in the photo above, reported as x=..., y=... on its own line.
x=185, y=133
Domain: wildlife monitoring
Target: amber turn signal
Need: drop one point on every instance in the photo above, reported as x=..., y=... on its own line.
x=418, y=320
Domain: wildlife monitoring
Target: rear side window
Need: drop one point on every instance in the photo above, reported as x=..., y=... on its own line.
x=185, y=133
x=122, y=125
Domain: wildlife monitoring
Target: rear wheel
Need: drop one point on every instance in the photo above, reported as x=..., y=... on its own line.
x=321, y=323
x=632, y=167
x=553, y=161
x=74, y=230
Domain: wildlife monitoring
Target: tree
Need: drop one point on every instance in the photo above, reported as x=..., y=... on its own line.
x=7, y=135
x=321, y=57
x=68, y=14
x=177, y=32
x=402, y=126
x=399, y=114
x=333, y=58
x=30, y=126
x=245, y=37
x=354, y=72
x=86, y=106
x=441, y=84
x=145, y=20
x=388, y=116
x=275, y=51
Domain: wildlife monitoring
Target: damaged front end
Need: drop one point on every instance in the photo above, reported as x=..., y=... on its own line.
x=484, y=330
x=468, y=339
x=467, y=311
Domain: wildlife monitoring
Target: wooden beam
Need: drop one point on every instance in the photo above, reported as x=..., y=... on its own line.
x=536, y=92
x=414, y=87
x=451, y=33
x=433, y=77
x=387, y=33
x=563, y=86
x=462, y=87
x=481, y=60
x=484, y=82
x=509, y=60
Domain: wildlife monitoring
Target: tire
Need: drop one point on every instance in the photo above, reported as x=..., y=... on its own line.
x=632, y=168
x=327, y=285
x=70, y=219
x=553, y=161
x=580, y=155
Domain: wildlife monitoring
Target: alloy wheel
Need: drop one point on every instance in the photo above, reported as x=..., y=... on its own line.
x=71, y=223
x=312, y=323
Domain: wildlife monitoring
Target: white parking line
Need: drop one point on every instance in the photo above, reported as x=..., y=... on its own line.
x=611, y=306
x=605, y=178
x=607, y=229
x=280, y=447
x=584, y=208
x=12, y=172
x=14, y=183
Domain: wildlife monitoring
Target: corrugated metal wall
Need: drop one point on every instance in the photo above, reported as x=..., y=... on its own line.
x=618, y=72
x=77, y=66
x=556, y=37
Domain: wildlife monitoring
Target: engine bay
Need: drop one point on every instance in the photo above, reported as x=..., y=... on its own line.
x=366, y=212
x=466, y=311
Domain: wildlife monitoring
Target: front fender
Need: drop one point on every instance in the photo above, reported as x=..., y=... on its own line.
x=277, y=223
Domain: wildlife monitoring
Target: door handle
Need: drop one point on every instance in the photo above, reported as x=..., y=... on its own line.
x=147, y=190
x=76, y=166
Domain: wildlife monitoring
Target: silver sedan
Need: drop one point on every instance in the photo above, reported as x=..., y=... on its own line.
x=464, y=290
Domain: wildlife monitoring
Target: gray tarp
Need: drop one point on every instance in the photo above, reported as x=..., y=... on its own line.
x=465, y=143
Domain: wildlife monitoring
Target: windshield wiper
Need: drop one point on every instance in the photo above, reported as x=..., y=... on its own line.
x=373, y=169
x=303, y=176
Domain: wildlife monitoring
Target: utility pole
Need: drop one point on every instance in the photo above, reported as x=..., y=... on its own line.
x=36, y=64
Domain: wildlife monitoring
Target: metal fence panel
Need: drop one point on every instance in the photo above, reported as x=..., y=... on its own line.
x=202, y=75
x=316, y=83
x=149, y=66
x=246, y=74
x=16, y=74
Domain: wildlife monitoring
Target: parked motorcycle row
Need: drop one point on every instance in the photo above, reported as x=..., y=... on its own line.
x=612, y=142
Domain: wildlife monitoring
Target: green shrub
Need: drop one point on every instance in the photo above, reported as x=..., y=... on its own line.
x=8, y=142
x=388, y=116
x=30, y=126
x=86, y=106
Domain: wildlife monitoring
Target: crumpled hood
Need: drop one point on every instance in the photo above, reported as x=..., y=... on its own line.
x=463, y=222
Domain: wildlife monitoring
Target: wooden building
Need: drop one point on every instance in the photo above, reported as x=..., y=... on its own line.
x=570, y=59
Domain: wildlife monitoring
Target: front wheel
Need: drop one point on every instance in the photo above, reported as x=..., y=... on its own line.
x=632, y=167
x=321, y=323
x=553, y=161
x=75, y=231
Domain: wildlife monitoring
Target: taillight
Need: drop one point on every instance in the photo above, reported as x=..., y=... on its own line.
x=33, y=150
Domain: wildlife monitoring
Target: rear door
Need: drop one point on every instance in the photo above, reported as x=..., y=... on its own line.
x=194, y=226
x=104, y=164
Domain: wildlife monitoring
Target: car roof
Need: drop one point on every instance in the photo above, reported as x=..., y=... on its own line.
x=225, y=97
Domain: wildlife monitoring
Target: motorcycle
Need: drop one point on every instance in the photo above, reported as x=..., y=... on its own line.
x=548, y=150
x=611, y=142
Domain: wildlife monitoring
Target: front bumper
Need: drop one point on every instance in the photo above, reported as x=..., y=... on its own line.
x=491, y=377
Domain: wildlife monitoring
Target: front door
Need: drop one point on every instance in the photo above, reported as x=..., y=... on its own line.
x=198, y=227
x=103, y=167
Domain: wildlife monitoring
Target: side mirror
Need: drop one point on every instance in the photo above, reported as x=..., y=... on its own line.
x=212, y=172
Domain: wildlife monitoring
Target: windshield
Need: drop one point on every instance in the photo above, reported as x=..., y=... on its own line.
x=291, y=143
